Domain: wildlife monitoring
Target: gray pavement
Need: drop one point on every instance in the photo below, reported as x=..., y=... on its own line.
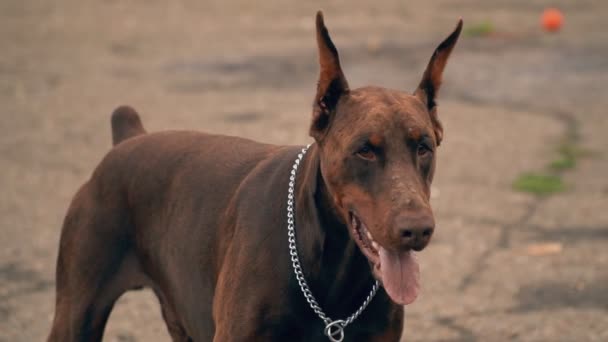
x=505, y=265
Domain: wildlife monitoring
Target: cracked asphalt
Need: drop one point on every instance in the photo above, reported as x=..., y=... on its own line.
x=504, y=265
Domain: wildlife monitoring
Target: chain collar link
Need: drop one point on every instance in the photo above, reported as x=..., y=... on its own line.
x=334, y=330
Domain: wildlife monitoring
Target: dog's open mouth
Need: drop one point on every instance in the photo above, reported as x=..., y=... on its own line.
x=397, y=270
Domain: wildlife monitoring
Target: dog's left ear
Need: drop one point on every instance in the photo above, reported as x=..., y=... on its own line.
x=431, y=79
x=332, y=83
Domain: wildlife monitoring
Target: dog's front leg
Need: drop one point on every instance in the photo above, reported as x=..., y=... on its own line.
x=392, y=335
x=249, y=299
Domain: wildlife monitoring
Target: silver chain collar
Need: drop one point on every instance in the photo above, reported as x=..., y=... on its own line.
x=334, y=330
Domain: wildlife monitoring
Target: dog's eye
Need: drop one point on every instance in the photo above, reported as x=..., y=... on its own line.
x=424, y=149
x=366, y=152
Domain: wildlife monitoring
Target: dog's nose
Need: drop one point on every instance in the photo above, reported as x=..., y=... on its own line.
x=415, y=233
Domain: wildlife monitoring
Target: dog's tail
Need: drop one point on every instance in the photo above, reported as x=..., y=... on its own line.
x=125, y=124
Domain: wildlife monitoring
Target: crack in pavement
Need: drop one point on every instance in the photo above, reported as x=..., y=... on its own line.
x=503, y=242
x=465, y=334
x=571, y=136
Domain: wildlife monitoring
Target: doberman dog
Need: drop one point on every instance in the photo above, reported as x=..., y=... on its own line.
x=201, y=220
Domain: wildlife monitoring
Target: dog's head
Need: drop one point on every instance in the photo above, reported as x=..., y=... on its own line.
x=377, y=157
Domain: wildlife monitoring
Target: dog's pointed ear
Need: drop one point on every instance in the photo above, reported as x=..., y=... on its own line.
x=431, y=79
x=332, y=83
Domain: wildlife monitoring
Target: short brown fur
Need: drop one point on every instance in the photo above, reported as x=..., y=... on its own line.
x=200, y=218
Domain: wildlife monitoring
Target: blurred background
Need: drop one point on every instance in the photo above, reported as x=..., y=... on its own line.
x=521, y=191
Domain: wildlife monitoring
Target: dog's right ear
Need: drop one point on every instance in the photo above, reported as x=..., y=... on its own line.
x=332, y=83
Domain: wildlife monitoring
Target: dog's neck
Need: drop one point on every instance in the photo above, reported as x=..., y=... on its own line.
x=337, y=272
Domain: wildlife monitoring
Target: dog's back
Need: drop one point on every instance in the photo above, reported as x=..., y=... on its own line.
x=121, y=229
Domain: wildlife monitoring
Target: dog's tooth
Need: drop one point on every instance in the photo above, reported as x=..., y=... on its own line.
x=369, y=236
x=375, y=245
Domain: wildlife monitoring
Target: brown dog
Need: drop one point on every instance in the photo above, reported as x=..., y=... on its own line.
x=201, y=219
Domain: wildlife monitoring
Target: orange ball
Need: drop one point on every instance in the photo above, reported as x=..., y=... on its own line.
x=552, y=19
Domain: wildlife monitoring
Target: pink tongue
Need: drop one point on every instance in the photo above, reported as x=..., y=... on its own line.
x=400, y=274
